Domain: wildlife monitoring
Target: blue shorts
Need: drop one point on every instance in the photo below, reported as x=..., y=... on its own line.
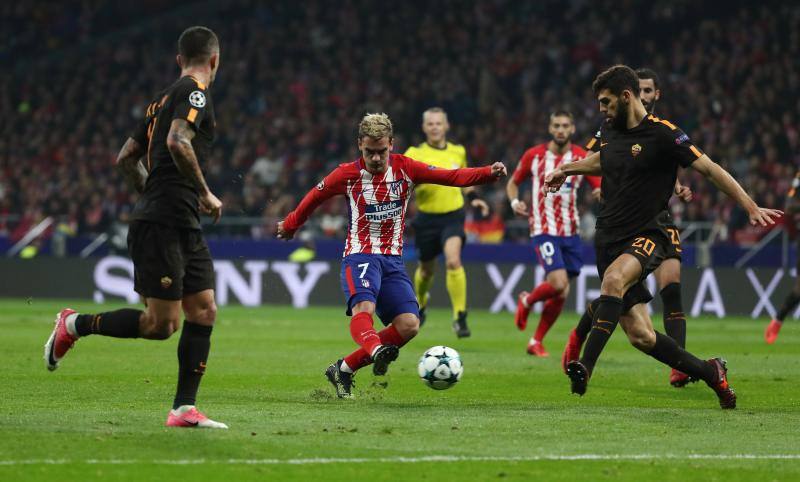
x=559, y=252
x=380, y=279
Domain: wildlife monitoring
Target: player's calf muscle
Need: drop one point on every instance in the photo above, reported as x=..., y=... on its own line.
x=640, y=337
x=160, y=324
x=153, y=330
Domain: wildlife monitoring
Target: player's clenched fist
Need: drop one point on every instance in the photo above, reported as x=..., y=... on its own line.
x=499, y=169
x=211, y=205
x=519, y=207
x=282, y=233
x=554, y=179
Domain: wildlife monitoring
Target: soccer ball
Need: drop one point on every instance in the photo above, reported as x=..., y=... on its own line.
x=440, y=367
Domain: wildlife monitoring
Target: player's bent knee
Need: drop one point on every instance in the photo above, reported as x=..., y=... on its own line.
x=411, y=330
x=669, y=278
x=561, y=285
x=452, y=264
x=364, y=307
x=426, y=269
x=205, y=315
x=407, y=325
x=613, y=284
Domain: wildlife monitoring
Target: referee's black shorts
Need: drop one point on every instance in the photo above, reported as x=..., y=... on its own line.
x=434, y=229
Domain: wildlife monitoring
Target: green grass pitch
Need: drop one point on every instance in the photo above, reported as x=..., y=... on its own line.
x=101, y=415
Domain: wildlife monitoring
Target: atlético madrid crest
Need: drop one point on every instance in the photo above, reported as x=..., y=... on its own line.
x=636, y=149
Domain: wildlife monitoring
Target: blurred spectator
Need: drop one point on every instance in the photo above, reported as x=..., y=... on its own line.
x=297, y=76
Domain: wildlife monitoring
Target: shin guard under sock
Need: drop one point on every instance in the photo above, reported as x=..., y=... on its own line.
x=363, y=332
x=609, y=310
x=667, y=351
x=360, y=358
x=193, y=350
x=421, y=287
x=585, y=323
x=542, y=291
x=457, y=289
x=552, y=308
x=674, y=317
x=122, y=323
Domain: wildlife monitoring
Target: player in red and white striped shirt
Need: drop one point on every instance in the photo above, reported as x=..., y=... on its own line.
x=553, y=223
x=374, y=280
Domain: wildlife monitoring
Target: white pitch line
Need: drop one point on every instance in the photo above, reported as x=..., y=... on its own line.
x=406, y=460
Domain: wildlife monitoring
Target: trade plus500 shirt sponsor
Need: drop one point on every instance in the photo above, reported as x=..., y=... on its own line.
x=379, y=212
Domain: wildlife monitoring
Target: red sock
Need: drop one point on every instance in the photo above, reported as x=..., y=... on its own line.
x=360, y=358
x=363, y=332
x=390, y=336
x=550, y=311
x=542, y=292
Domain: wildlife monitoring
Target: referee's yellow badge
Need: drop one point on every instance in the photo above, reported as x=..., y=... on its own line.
x=636, y=149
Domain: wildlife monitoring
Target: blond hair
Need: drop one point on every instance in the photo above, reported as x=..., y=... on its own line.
x=375, y=126
x=434, y=110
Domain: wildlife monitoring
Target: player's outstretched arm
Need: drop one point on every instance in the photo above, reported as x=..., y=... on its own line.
x=179, y=143
x=589, y=165
x=130, y=165
x=422, y=173
x=727, y=184
x=332, y=185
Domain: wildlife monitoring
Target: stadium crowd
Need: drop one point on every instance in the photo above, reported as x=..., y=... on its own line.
x=296, y=76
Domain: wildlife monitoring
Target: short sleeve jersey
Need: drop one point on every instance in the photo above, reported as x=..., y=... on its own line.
x=639, y=168
x=169, y=198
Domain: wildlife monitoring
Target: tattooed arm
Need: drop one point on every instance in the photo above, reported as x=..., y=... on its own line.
x=128, y=162
x=179, y=143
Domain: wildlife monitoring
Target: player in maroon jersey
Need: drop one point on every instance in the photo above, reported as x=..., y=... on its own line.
x=173, y=270
x=374, y=280
x=668, y=275
x=638, y=159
